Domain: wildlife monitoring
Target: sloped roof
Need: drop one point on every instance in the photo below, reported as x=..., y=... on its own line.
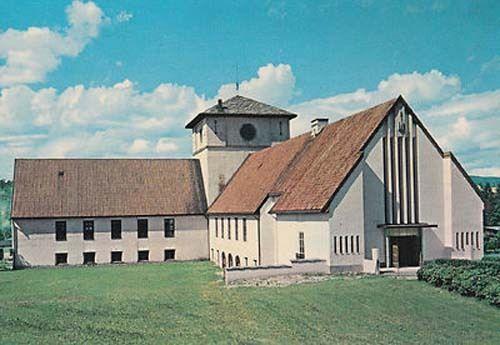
x=239, y=105
x=304, y=171
x=46, y=188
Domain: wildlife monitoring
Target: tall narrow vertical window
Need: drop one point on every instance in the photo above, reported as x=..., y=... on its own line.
x=341, y=250
x=462, y=240
x=215, y=126
x=478, y=244
x=472, y=239
x=169, y=227
x=457, y=242
x=467, y=238
x=357, y=244
x=228, y=228
x=244, y=229
x=142, y=228
x=236, y=229
x=116, y=229
x=222, y=227
x=346, y=242
x=216, y=227
x=335, y=244
x=301, y=254
x=281, y=128
x=88, y=230
x=61, y=231
x=352, y=244
x=386, y=181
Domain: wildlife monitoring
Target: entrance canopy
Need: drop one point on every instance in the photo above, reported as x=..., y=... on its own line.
x=406, y=226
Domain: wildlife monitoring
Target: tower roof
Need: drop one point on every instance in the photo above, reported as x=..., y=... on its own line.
x=240, y=106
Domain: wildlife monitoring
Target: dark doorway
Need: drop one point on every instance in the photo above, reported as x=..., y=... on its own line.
x=405, y=251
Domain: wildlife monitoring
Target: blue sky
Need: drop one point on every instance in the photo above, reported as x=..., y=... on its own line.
x=120, y=78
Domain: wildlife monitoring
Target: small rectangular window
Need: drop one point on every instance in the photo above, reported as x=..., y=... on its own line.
x=116, y=257
x=246, y=261
x=89, y=258
x=236, y=229
x=255, y=262
x=169, y=227
x=301, y=253
x=335, y=244
x=116, y=229
x=88, y=230
x=61, y=258
x=142, y=228
x=222, y=228
x=244, y=229
x=61, y=231
x=143, y=255
x=229, y=228
x=216, y=227
x=357, y=244
x=169, y=254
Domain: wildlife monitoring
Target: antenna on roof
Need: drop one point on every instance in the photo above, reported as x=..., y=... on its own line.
x=237, y=81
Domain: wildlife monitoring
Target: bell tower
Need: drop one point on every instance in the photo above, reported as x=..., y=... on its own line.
x=225, y=134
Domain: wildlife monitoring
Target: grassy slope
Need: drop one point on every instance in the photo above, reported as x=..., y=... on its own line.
x=187, y=303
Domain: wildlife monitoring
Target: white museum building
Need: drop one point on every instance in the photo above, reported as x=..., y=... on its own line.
x=371, y=184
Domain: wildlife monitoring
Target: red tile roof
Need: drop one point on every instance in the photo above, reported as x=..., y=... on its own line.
x=305, y=171
x=49, y=188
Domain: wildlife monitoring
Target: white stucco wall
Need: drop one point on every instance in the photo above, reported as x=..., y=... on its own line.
x=431, y=197
x=316, y=237
x=244, y=249
x=36, y=244
x=466, y=209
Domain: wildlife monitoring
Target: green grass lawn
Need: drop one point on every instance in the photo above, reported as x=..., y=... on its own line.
x=188, y=303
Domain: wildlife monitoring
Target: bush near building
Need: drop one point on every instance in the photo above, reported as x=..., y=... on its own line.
x=469, y=278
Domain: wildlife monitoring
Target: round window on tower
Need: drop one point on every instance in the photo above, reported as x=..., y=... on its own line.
x=248, y=131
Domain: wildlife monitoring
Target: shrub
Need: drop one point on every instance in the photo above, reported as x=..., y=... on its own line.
x=469, y=278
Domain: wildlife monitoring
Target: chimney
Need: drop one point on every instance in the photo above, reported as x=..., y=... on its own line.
x=317, y=125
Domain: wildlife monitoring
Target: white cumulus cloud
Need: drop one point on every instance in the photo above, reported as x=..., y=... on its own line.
x=32, y=53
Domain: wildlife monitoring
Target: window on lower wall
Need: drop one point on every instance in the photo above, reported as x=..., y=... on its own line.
x=357, y=244
x=478, y=244
x=116, y=256
x=169, y=254
x=462, y=240
x=244, y=230
x=467, y=238
x=352, y=244
x=61, y=231
x=143, y=255
x=457, y=242
x=228, y=228
x=142, y=228
x=89, y=258
x=61, y=258
x=169, y=227
x=340, y=245
x=216, y=227
x=346, y=242
x=472, y=239
x=246, y=261
x=236, y=229
x=116, y=229
x=301, y=253
x=222, y=228
x=88, y=230
x=335, y=244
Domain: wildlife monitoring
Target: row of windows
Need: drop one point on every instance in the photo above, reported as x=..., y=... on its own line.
x=463, y=239
x=346, y=244
x=116, y=229
x=229, y=260
x=116, y=257
x=219, y=228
